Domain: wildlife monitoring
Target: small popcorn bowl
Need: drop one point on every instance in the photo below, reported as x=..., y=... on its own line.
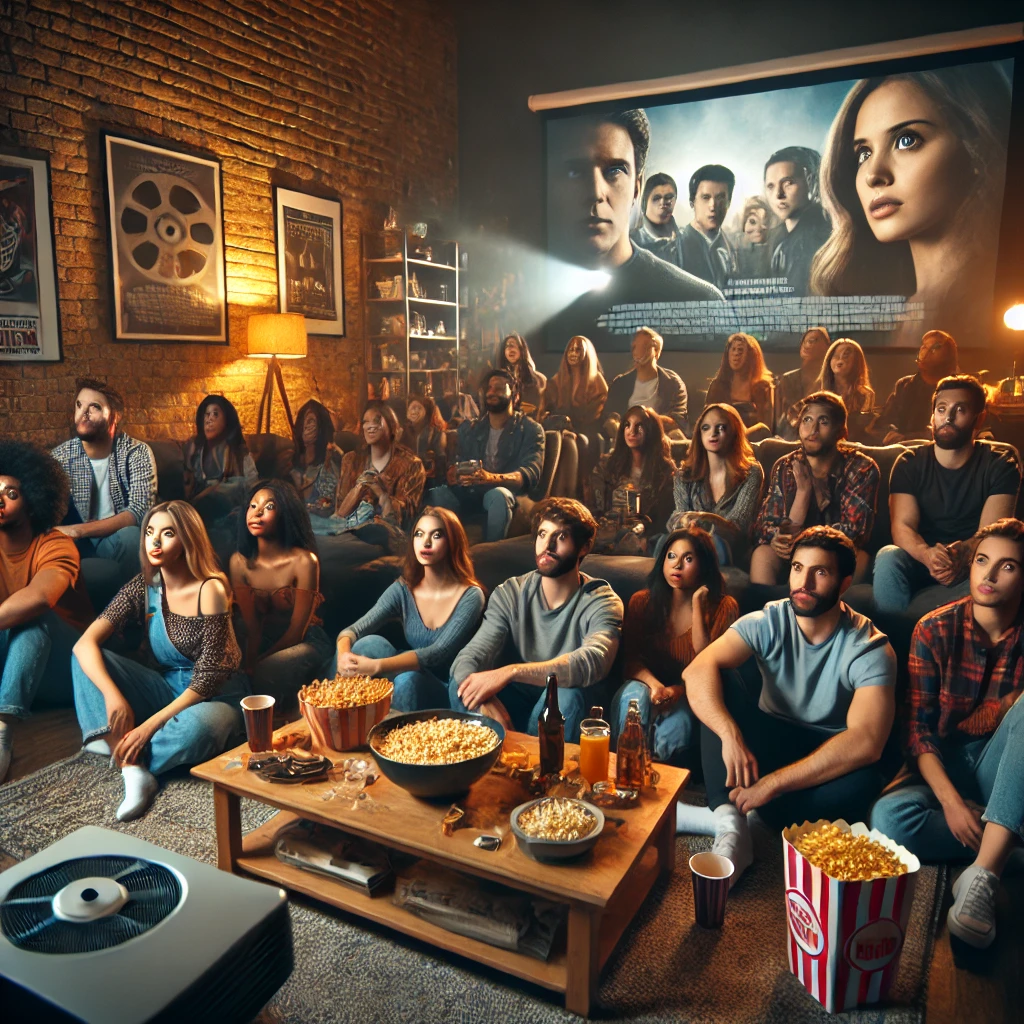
x=554, y=850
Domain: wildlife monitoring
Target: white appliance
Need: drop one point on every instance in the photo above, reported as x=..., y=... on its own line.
x=107, y=929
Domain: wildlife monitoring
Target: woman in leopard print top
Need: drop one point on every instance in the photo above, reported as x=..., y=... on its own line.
x=184, y=710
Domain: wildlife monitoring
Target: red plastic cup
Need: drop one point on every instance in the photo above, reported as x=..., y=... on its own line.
x=259, y=722
x=710, y=873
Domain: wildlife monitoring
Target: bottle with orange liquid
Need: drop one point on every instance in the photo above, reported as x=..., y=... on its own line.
x=595, y=739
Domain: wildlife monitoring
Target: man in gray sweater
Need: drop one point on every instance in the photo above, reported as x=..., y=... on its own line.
x=556, y=619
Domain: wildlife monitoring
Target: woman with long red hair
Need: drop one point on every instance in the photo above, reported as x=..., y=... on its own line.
x=439, y=602
x=718, y=486
x=743, y=381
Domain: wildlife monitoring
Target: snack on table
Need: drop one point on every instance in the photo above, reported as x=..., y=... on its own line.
x=437, y=741
x=846, y=857
x=557, y=819
x=345, y=691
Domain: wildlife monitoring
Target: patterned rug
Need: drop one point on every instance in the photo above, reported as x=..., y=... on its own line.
x=665, y=968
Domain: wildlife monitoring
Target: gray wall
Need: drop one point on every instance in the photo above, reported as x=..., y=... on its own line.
x=508, y=51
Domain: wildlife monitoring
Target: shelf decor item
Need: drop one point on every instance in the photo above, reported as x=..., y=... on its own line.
x=310, y=264
x=29, y=321
x=166, y=224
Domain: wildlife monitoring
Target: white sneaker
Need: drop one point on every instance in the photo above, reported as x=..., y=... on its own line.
x=733, y=839
x=972, y=918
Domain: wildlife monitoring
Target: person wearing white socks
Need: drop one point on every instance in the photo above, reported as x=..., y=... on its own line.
x=187, y=711
x=812, y=744
x=962, y=795
x=43, y=604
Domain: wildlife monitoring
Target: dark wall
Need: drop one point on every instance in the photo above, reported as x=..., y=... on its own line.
x=508, y=51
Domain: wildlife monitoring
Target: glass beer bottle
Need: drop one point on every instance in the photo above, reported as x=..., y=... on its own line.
x=595, y=737
x=551, y=732
x=630, y=754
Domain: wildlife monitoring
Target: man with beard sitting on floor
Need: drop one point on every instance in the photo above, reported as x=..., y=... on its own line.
x=555, y=619
x=811, y=744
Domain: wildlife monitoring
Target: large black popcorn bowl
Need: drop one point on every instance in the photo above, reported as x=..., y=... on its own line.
x=435, y=780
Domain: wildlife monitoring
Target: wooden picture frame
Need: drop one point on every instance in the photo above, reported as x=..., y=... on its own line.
x=165, y=216
x=310, y=260
x=29, y=311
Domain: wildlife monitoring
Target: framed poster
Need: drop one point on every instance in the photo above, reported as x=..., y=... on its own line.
x=309, y=260
x=29, y=319
x=166, y=243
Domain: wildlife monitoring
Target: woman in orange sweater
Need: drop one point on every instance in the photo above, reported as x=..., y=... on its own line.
x=667, y=625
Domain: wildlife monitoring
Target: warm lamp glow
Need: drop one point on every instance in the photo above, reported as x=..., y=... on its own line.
x=277, y=334
x=1014, y=317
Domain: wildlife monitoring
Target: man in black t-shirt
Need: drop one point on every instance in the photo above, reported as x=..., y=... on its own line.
x=940, y=495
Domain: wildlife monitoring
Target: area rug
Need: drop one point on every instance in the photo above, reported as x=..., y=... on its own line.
x=665, y=968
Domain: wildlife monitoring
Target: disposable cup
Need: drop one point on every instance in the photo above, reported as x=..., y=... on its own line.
x=259, y=722
x=710, y=873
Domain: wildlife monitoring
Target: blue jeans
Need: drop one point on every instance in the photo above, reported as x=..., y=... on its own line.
x=675, y=732
x=284, y=673
x=524, y=704
x=121, y=547
x=498, y=505
x=898, y=576
x=35, y=661
x=192, y=736
x=415, y=690
x=986, y=771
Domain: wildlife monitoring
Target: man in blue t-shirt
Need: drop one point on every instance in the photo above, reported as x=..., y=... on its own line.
x=810, y=746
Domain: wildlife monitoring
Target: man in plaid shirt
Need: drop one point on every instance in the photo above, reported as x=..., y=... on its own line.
x=965, y=733
x=113, y=481
x=823, y=483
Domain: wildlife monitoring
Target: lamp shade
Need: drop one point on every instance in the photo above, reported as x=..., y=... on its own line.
x=277, y=334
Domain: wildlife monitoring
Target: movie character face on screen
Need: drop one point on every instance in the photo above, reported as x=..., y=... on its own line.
x=660, y=199
x=787, y=188
x=710, y=195
x=599, y=164
x=913, y=181
x=755, y=223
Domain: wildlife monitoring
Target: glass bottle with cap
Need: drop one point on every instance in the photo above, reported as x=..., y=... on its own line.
x=551, y=732
x=631, y=751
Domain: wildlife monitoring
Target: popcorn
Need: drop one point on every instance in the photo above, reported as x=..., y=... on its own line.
x=437, y=741
x=847, y=857
x=557, y=819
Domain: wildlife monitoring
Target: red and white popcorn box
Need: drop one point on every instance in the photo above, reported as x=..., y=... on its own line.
x=845, y=938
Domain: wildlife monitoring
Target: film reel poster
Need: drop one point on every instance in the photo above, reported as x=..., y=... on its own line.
x=309, y=260
x=29, y=321
x=872, y=205
x=166, y=243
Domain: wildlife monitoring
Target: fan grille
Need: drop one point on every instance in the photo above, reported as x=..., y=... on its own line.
x=28, y=921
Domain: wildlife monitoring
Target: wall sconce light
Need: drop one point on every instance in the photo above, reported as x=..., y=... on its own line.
x=1014, y=317
x=276, y=336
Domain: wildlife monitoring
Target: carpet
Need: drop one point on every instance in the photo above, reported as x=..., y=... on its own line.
x=665, y=968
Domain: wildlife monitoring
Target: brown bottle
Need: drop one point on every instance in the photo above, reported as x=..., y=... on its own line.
x=551, y=732
x=630, y=753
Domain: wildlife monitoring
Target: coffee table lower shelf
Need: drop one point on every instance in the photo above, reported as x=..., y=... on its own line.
x=564, y=972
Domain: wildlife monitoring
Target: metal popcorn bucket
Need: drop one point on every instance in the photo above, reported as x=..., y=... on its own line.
x=845, y=938
x=340, y=729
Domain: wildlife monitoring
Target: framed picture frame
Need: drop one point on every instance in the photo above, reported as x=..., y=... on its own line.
x=166, y=224
x=29, y=313
x=310, y=260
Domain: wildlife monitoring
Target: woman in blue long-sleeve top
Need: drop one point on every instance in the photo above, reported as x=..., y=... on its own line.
x=439, y=602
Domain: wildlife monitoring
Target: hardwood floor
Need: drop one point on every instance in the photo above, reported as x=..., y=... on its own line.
x=992, y=992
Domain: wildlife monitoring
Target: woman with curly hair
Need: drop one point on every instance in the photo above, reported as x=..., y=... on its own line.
x=639, y=468
x=315, y=462
x=438, y=601
x=683, y=609
x=743, y=381
x=513, y=356
x=43, y=604
x=275, y=576
x=218, y=466
x=184, y=710
x=718, y=486
x=912, y=179
x=844, y=372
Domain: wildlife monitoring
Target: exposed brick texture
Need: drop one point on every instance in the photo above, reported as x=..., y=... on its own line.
x=355, y=97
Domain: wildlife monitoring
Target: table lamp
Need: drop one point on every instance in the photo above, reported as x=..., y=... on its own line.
x=276, y=336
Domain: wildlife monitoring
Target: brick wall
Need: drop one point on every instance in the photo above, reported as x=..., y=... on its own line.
x=357, y=97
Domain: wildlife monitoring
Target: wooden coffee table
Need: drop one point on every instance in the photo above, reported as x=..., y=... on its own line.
x=603, y=890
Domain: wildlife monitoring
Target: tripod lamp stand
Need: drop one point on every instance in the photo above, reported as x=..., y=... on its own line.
x=276, y=336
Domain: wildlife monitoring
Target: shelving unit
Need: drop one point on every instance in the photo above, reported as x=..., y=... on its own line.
x=413, y=340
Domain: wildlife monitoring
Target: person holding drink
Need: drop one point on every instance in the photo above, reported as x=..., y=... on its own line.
x=186, y=710
x=667, y=625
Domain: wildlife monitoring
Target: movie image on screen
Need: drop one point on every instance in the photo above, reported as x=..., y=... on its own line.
x=871, y=206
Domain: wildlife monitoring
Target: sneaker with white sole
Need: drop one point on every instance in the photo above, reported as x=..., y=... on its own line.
x=972, y=918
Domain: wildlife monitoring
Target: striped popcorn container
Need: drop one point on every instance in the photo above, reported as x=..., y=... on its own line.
x=339, y=729
x=845, y=938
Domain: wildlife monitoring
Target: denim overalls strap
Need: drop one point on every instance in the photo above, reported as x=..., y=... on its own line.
x=177, y=669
